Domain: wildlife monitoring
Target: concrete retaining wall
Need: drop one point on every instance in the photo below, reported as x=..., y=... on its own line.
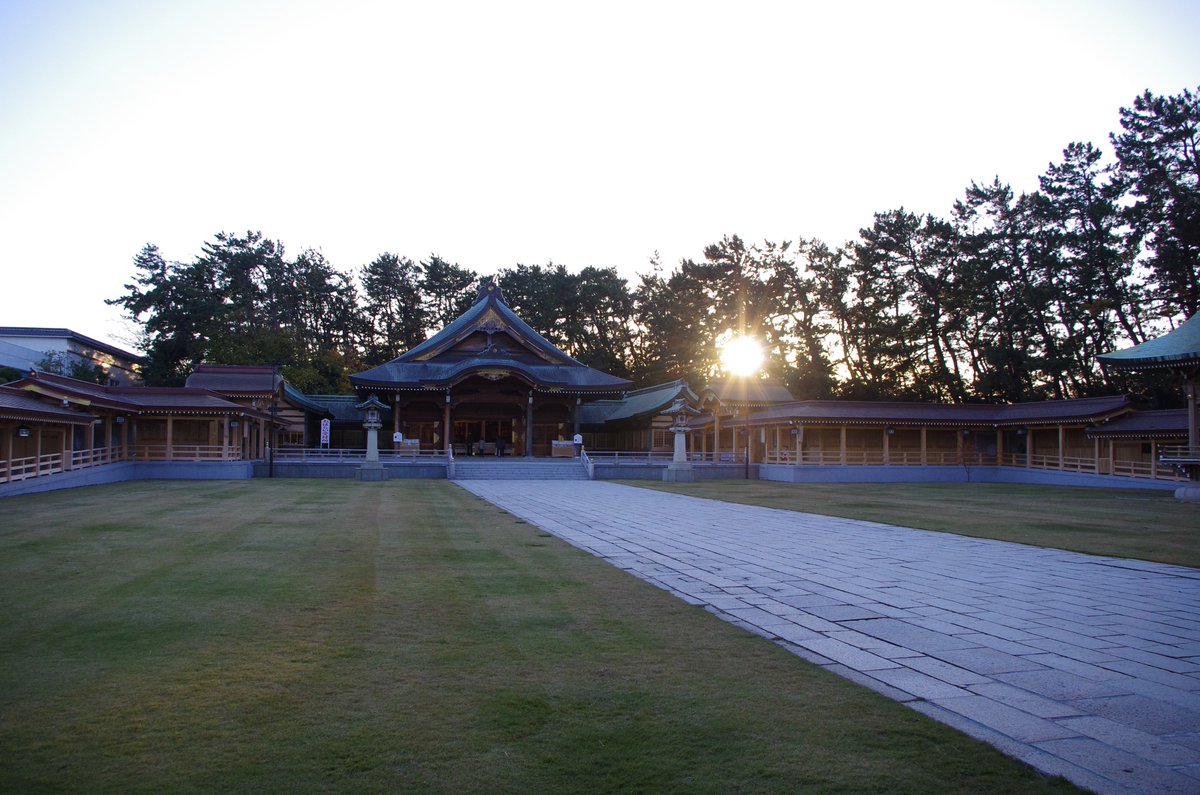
x=342, y=469
x=655, y=472
x=784, y=473
x=131, y=470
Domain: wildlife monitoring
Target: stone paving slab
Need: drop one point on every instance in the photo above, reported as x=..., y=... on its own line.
x=1081, y=666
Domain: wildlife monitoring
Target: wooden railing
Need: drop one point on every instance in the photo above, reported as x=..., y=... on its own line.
x=853, y=457
x=1179, y=454
x=81, y=459
x=185, y=452
x=1162, y=470
x=661, y=457
x=31, y=467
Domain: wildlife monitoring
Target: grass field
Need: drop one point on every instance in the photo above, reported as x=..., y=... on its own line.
x=308, y=636
x=1123, y=523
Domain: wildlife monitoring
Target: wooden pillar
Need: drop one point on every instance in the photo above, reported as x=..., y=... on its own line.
x=529, y=426
x=1193, y=386
x=8, y=451
x=170, y=437
x=799, y=443
x=716, y=436
x=68, y=447
x=37, y=453
x=1153, y=459
x=1062, y=437
x=887, y=447
x=999, y=447
x=842, y=454
x=396, y=413
x=924, y=445
x=958, y=445
x=1029, y=447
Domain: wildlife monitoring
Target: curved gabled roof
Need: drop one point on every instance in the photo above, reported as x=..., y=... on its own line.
x=1178, y=348
x=638, y=404
x=489, y=340
x=747, y=391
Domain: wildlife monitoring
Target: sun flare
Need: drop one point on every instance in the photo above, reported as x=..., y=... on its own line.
x=742, y=356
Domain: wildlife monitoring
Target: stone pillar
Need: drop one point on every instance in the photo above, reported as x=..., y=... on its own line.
x=372, y=445
x=680, y=469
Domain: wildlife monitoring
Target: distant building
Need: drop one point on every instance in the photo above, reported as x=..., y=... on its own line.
x=25, y=348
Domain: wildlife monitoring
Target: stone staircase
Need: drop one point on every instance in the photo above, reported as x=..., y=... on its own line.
x=491, y=468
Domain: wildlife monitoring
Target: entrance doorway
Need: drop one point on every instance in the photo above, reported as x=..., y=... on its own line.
x=468, y=434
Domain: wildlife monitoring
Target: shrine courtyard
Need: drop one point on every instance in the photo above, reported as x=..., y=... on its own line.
x=299, y=635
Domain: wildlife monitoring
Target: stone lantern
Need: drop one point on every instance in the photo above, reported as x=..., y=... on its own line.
x=372, y=469
x=680, y=469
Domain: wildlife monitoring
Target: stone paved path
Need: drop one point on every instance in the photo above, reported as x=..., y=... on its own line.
x=1081, y=666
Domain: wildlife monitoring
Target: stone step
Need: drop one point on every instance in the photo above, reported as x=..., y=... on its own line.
x=519, y=470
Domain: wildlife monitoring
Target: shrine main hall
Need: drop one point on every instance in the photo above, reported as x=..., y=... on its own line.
x=490, y=384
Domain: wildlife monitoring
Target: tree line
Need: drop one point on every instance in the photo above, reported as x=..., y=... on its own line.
x=1010, y=297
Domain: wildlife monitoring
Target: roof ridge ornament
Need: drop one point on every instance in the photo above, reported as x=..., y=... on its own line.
x=489, y=289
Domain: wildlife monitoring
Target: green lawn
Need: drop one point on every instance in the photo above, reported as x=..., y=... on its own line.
x=1123, y=523
x=306, y=636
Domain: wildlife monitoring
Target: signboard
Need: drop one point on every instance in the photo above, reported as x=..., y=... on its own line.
x=325, y=431
x=397, y=437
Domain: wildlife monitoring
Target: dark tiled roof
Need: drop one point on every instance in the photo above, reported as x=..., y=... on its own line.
x=23, y=406
x=238, y=380
x=648, y=401
x=1178, y=348
x=442, y=360
x=748, y=391
x=137, y=399
x=341, y=408
x=877, y=413
x=300, y=400
x=1168, y=423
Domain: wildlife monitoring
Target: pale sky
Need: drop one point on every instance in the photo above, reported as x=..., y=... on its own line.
x=497, y=133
